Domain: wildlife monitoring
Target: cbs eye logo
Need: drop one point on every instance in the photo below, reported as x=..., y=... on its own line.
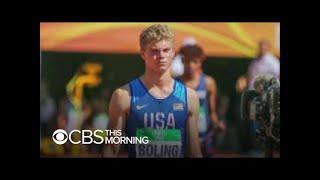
x=60, y=136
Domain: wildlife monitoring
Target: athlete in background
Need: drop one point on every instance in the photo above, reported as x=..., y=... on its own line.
x=206, y=88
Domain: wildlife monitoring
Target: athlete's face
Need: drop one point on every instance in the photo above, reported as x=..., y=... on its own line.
x=158, y=55
x=192, y=65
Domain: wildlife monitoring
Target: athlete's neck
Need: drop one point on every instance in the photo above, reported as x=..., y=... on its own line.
x=155, y=79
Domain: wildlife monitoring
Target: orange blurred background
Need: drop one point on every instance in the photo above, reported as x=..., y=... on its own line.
x=218, y=39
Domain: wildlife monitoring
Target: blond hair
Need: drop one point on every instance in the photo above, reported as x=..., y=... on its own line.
x=155, y=32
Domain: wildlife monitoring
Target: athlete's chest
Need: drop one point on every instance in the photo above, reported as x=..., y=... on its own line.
x=166, y=114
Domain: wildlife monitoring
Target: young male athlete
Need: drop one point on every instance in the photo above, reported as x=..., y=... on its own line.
x=205, y=86
x=155, y=105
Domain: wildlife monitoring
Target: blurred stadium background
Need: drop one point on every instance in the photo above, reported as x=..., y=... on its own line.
x=109, y=54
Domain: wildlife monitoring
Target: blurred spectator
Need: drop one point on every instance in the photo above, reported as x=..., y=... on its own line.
x=76, y=117
x=245, y=136
x=265, y=63
x=222, y=110
x=100, y=121
x=177, y=66
x=223, y=107
x=62, y=117
x=241, y=84
x=70, y=118
x=86, y=123
x=47, y=109
x=92, y=116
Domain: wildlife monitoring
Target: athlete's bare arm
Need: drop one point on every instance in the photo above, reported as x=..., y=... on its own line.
x=193, y=143
x=119, y=107
x=212, y=89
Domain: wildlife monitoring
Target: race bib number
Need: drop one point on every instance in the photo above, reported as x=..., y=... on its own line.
x=202, y=123
x=164, y=143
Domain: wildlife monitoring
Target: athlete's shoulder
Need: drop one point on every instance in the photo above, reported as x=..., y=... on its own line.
x=210, y=82
x=121, y=97
x=123, y=91
x=209, y=79
x=178, y=80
